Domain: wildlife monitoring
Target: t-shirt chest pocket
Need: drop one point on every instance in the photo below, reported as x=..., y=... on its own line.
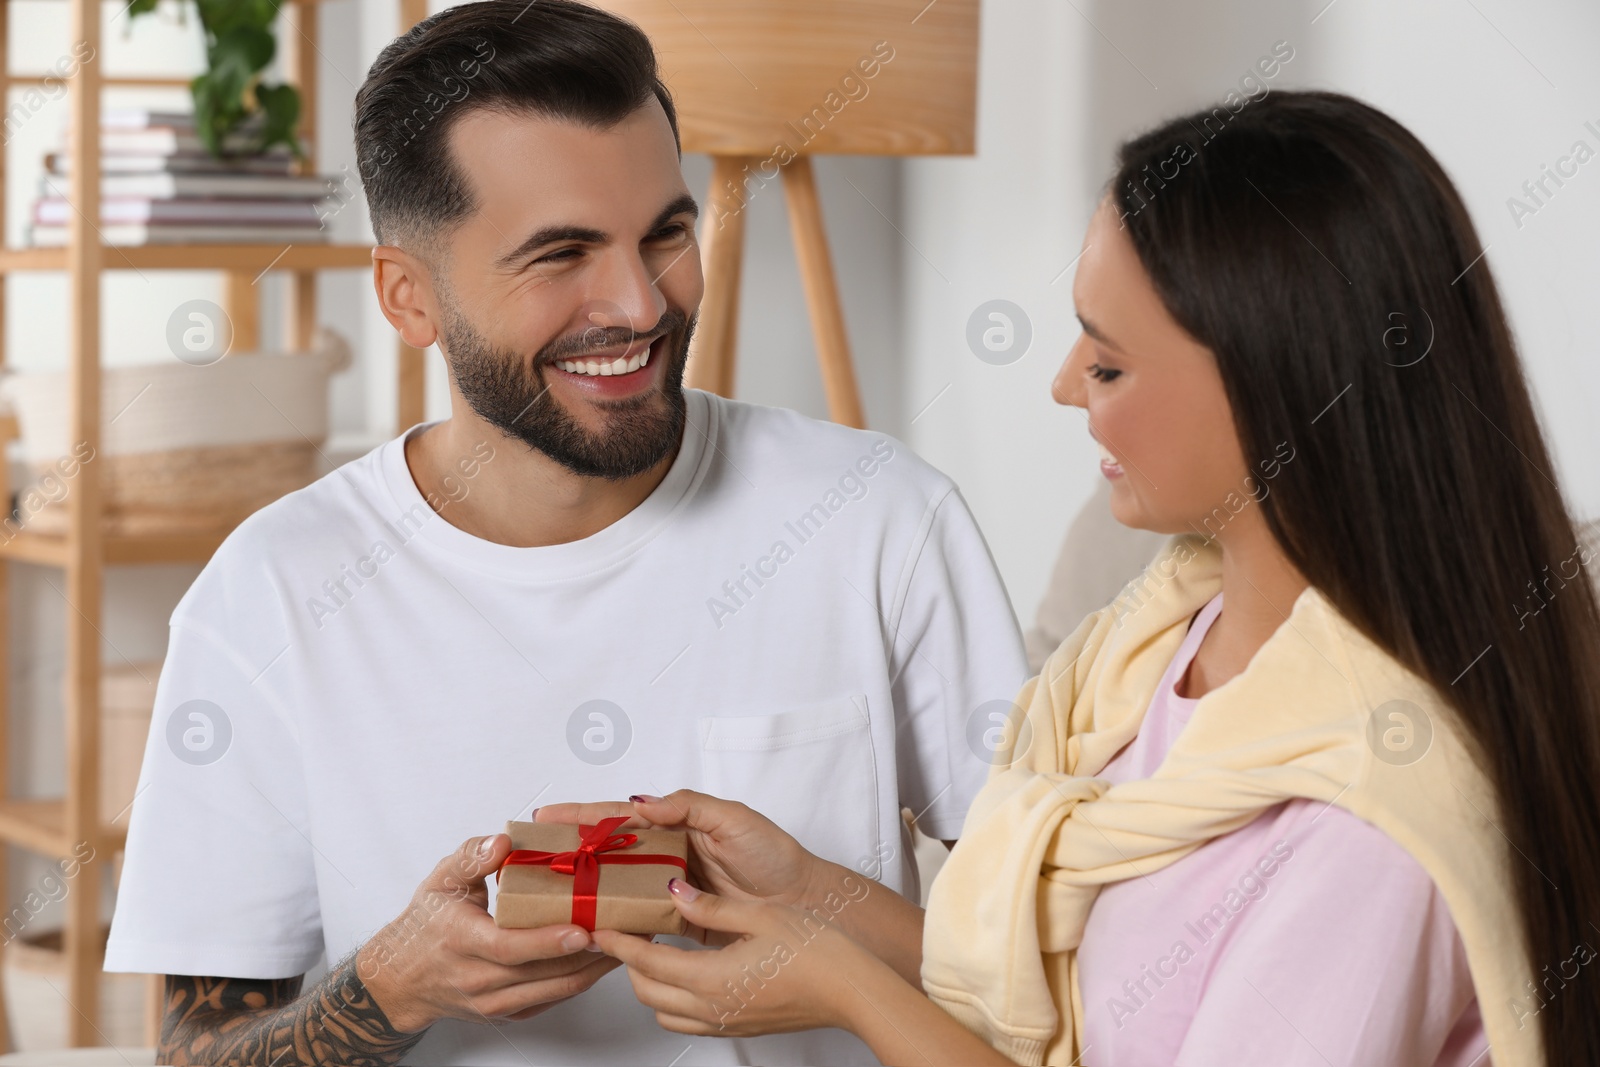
x=809, y=769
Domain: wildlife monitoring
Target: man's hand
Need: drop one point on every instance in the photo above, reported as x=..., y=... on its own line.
x=444, y=957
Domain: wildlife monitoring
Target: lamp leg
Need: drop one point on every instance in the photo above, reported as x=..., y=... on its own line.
x=711, y=357
x=822, y=294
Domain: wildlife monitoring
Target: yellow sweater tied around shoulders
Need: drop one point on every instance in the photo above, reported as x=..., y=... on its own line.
x=1306, y=718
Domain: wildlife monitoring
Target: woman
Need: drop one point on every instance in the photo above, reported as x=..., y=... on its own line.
x=1321, y=786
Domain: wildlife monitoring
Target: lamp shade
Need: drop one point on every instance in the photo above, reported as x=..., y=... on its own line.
x=780, y=78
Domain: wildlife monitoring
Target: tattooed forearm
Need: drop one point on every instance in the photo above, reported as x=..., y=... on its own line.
x=248, y=1022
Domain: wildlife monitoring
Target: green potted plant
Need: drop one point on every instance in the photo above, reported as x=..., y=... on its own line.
x=235, y=112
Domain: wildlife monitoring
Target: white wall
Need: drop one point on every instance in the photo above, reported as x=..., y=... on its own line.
x=1061, y=83
x=1497, y=96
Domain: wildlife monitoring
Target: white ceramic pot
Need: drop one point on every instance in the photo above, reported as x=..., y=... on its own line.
x=169, y=406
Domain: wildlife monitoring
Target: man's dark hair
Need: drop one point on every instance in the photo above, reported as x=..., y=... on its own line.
x=553, y=58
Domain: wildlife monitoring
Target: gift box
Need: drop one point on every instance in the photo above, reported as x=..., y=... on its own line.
x=599, y=877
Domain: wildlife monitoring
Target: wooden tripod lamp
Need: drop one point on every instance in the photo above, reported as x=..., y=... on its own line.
x=761, y=86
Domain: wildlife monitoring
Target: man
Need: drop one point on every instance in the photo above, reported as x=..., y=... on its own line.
x=588, y=582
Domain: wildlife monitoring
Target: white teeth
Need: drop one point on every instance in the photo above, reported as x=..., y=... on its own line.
x=1105, y=454
x=605, y=368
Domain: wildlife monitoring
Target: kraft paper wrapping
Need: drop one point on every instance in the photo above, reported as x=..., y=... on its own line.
x=630, y=898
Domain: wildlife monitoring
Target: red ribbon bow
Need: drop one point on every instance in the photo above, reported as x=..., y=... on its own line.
x=583, y=863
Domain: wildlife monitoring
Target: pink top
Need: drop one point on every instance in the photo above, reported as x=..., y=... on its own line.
x=1307, y=937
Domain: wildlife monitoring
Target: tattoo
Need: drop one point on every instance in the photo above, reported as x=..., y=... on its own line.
x=261, y=1022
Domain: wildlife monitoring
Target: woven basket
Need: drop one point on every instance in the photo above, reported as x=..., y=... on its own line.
x=35, y=974
x=127, y=701
x=196, y=490
x=182, y=447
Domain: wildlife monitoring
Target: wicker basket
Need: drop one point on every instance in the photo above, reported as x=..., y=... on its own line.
x=35, y=973
x=196, y=490
x=127, y=699
x=34, y=969
x=182, y=447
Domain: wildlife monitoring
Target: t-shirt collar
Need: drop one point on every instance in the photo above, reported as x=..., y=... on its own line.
x=412, y=518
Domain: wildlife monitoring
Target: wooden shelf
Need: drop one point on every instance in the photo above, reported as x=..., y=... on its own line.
x=40, y=826
x=50, y=550
x=83, y=551
x=308, y=1
x=250, y=258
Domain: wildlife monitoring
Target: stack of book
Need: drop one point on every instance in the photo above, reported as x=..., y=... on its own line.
x=160, y=186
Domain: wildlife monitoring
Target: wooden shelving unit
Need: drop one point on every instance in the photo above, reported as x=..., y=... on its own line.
x=53, y=827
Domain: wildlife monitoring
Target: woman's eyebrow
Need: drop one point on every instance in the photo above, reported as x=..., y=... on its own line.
x=1094, y=331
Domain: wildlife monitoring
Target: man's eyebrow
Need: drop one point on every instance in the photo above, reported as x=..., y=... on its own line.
x=682, y=205
x=547, y=235
x=1094, y=331
x=550, y=235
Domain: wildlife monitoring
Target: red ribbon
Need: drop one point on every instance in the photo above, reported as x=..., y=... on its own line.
x=583, y=863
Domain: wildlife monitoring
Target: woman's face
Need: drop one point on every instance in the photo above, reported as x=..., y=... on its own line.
x=1155, y=401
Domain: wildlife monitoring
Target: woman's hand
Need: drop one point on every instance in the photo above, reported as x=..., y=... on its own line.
x=742, y=855
x=785, y=969
x=734, y=851
x=780, y=971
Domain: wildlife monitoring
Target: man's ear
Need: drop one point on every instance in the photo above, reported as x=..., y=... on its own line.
x=405, y=293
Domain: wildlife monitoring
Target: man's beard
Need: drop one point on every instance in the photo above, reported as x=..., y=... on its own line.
x=640, y=430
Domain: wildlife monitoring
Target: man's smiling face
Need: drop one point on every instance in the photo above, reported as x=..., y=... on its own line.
x=567, y=300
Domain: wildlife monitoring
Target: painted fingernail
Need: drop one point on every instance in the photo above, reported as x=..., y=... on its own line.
x=575, y=940
x=644, y=798
x=678, y=887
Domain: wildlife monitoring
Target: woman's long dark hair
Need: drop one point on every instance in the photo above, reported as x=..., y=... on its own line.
x=1318, y=249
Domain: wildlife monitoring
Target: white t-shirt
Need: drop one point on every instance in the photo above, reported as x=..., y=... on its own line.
x=801, y=616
